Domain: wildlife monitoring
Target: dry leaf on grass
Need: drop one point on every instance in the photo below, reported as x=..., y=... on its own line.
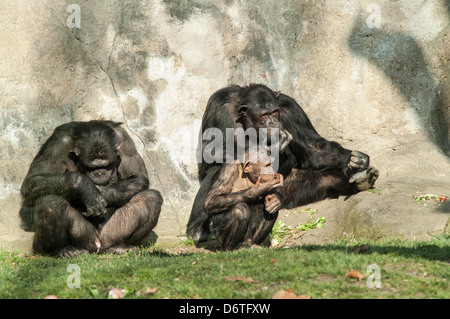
x=116, y=293
x=289, y=294
x=150, y=291
x=355, y=275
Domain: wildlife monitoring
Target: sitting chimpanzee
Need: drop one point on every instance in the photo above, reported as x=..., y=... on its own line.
x=239, y=202
x=314, y=168
x=87, y=190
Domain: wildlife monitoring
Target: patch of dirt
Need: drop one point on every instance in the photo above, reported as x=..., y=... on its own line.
x=389, y=211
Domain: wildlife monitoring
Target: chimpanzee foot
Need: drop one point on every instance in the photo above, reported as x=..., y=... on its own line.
x=120, y=249
x=200, y=237
x=358, y=161
x=365, y=179
x=71, y=251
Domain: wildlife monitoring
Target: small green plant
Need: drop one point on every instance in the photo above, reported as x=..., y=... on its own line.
x=303, y=210
x=437, y=198
x=279, y=231
x=376, y=190
x=189, y=242
x=318, y=223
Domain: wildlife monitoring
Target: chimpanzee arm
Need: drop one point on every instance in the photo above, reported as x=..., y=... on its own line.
x=132, y=174
x=306, y=186
x=70, y=185
x=117, y=195
x=310, y=149
x=52, y=172
x=328, y=154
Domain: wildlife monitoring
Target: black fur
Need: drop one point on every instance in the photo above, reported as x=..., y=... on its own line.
x=314, y=168
x=87, y=190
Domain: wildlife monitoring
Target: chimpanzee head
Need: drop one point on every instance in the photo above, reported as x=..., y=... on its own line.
x=257, y=164
x=259, y=108
x=95, y=151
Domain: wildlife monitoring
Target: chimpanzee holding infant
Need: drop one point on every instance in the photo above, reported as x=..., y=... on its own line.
x=313, y=168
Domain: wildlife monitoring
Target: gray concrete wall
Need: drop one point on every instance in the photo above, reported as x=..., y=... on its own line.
x=372, y=75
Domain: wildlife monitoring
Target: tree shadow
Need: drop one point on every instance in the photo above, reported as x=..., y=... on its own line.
x=400, y=58
x=425, y=250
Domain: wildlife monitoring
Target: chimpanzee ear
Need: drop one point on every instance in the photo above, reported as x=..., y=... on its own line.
x=118, y=140
x=74, y=154
x=117, y=146
x=70, y=145
x=242, y=110
x=246, y=168
x=76, y=151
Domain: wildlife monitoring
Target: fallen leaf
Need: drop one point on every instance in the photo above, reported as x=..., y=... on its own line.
x=150, y=291
x=289, y=294
x=273, y=261
x=355, y=275
x=240, y=278
x=116, y=293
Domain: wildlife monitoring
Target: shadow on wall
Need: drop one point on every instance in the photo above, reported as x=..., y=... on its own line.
x=401, y=59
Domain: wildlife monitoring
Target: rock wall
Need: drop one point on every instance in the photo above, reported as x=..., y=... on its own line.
x=372, y=75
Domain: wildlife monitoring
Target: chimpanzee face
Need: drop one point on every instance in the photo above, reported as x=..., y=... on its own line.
x=261, y=108
x=96, y=154
x=270, y=117
x=256, y=170
x=257, y=164
x=100, y=176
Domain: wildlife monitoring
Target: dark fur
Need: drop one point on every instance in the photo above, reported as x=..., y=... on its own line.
x=314, y=167
x=238, y=216
x=68, y=211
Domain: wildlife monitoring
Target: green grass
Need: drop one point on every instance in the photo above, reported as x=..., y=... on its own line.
x=408, y=270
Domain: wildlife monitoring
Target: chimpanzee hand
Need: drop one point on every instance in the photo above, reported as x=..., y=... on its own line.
x=85, y=191
x=262, y=188
x=358, y=161
x=285, y=139
x=106, y=192
x=93, y=200
x=95, y=205
x=272, y=203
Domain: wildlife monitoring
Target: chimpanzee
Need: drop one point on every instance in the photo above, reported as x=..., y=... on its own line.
x=87, y=190
x=314, y=168
x=239, y=203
